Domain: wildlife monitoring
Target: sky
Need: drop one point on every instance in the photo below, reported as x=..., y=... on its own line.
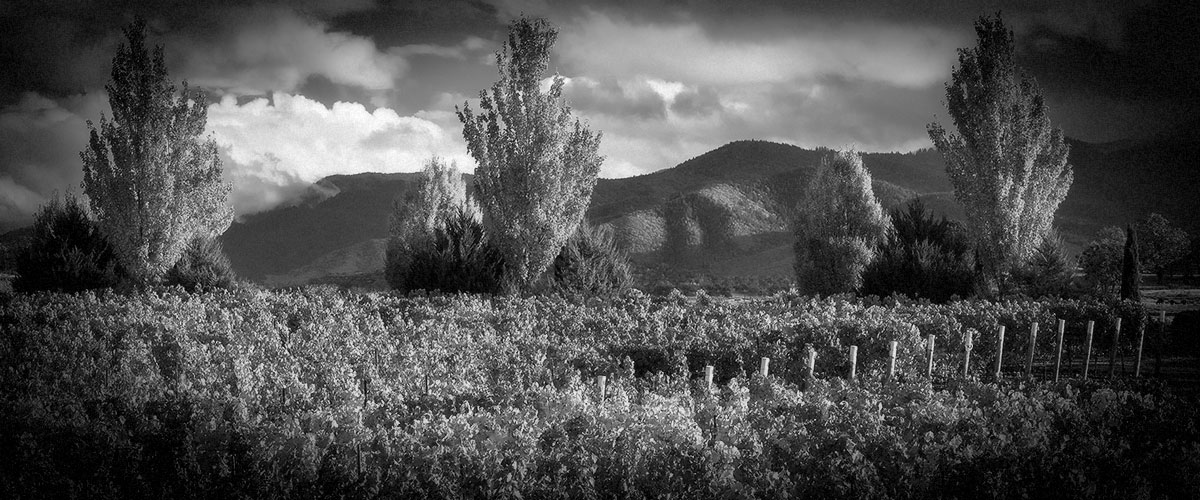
x=305, y=89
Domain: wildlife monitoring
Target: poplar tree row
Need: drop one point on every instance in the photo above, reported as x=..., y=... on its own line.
x=155, y=184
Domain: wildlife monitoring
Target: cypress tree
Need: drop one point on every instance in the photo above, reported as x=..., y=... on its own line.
x=1131, y=271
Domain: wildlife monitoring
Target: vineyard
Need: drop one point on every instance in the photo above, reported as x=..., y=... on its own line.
x=326, y=393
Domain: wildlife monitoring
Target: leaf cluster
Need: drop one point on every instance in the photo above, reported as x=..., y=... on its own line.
x=317, y=392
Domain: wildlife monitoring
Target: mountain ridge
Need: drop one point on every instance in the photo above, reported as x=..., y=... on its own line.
x=731, y=206
x=726, y=211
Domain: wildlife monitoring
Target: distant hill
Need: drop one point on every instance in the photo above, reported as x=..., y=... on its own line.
x=713, y=212
x=340, y=211
x=725, y=212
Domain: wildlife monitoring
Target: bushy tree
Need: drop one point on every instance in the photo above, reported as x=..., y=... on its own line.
x=437, y=240
x=591, y=264
x=1101, y=260
x=536, y=167
x=203, y=264
x=838, y=225
x=1049, y=270
x=1131, y=272
x=438, y=195
x=153, y=182
x=922, y=257
x=1007, y=165
x=66, y=252
x=1161, y=244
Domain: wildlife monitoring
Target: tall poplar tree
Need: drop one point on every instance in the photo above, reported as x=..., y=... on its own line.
x=153, y=182
x=1007, y=165
x=536, y=166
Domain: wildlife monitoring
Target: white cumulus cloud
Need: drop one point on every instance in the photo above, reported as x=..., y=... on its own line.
x=275, y=148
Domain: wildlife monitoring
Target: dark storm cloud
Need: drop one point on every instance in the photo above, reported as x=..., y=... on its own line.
x=1125, y=62
x=701, y=101
x=633, y=100
x=65, y=47
x=1143, y=76
x=407, y=22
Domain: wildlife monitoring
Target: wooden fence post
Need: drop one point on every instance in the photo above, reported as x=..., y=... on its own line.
x=1000, y=354
x=929, y=367
x=810, y=365
x=853, y=361
x=968, y=344
x=1137, y=364
x=1087, y=352
x=1112, y=358
x=708, y=376
x=892, y=360
x=1162, y=338
x=1062, y=325
x=1033, y=330
x=763, y=365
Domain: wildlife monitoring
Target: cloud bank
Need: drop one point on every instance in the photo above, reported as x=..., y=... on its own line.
x=668, y=90
x=274, y=148
x=40, y=141
x=305, y=89
x=257, y=50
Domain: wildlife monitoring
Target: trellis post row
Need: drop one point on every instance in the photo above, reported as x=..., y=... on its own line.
x=810, y=356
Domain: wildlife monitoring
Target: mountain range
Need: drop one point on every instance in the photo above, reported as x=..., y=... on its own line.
x=726, y=212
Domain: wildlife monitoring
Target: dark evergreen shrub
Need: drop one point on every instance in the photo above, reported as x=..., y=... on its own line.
x=457, y=257
x=1048, y=273
x=591, y=264
x=66, y=252
x=921, y=258
x=202, y=264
